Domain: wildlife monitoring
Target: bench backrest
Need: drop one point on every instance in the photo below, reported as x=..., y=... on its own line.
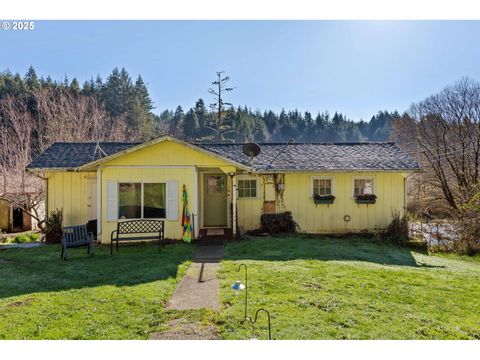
x=75, y=235
x=140, y=227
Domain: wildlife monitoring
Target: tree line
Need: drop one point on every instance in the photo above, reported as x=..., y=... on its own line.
x=126, y=104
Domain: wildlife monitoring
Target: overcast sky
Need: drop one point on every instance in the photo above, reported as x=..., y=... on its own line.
x=356, y=67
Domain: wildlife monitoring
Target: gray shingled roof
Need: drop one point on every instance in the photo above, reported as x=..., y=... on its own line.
x=320, y=156
x=70, y=155
x=296, y=157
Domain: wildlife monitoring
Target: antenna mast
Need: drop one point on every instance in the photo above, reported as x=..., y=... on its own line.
x=269, y=166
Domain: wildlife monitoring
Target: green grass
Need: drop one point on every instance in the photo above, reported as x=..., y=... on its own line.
x=324, y=288
x=315, y=288
x=99, y=297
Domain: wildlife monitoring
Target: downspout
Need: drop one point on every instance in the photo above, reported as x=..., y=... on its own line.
x=196, y=224
x=405, y=196
x=234, y=205
x=99, y=204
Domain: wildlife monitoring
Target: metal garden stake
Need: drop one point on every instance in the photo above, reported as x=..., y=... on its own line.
x=255, y=320
x=237, y=286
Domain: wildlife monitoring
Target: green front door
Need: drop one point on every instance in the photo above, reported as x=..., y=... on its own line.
x=215, y=200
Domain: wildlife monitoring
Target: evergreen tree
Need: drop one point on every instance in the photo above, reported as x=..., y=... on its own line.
x=89, y=88
x=75, y=87
x=177, y=123
x=118, y=93
x=271, y=121
x=191, y=125
x=142, y=94
x=201, y=112
x=31, y=79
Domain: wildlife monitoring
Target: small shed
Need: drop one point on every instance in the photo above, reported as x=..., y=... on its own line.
x=13, y=219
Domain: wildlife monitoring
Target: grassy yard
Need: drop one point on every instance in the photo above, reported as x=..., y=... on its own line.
x=99, y=297
x=324, y=288
x=315, y=288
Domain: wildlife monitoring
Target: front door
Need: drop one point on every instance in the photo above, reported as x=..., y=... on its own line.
x=91, y=199
x=215, y=200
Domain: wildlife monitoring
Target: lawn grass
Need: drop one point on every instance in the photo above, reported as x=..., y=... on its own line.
x=315, y=288
x=99, y=297
x=327, y=288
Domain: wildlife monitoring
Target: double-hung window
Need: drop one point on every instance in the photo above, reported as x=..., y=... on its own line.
x=141, y=200
x=247, y=188
x=362, y=187
x=322, y=186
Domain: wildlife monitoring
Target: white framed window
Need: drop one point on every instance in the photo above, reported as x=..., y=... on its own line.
x=247, y=187
x=138, y=200
x=363, y=186
x=321, y=186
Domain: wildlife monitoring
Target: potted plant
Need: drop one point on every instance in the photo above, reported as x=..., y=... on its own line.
x=366, y=199
x=323, y=199
x=53, y=227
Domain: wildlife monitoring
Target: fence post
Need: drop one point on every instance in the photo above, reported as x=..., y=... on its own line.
x=438, y=234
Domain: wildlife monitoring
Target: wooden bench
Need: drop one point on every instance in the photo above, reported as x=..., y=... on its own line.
x=76, y=236
x=148, y=230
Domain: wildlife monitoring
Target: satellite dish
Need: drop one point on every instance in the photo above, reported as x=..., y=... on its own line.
x=251, y=149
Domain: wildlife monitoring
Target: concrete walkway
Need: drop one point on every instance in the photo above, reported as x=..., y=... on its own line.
x=21, y=245
x=200, y=287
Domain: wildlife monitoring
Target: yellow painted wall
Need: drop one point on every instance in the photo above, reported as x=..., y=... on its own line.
x=389, y=188
x=68, y=191
x=168, y=153
x=4, y=215
x=250, y=209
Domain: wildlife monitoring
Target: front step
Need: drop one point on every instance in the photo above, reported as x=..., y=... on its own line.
x=214, y=236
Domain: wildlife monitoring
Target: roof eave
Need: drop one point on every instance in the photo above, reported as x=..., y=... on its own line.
x=273, y=171
x=51, y=169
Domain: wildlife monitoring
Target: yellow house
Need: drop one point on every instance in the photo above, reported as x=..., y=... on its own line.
x=328, y=187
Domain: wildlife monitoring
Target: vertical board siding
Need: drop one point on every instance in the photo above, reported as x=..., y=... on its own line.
x=330, y=218
x=249, y=210
x=68, y=191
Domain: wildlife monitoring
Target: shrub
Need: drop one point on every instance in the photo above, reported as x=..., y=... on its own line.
x=397, y=230
x=280, y=223
x=26, y=238
x=53, y=227
x=467, y=225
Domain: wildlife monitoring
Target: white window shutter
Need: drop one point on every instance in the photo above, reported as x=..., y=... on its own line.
x=112, y=201
x=172, y=200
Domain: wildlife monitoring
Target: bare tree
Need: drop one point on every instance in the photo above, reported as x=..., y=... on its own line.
x=21, y=189
x=63, y=116
x=443, y=133
x=219, y=125
x=59, y=116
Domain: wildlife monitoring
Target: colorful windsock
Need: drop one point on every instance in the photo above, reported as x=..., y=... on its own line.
x=186, y=218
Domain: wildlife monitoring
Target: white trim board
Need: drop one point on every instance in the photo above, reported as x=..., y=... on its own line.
x=312, y=178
